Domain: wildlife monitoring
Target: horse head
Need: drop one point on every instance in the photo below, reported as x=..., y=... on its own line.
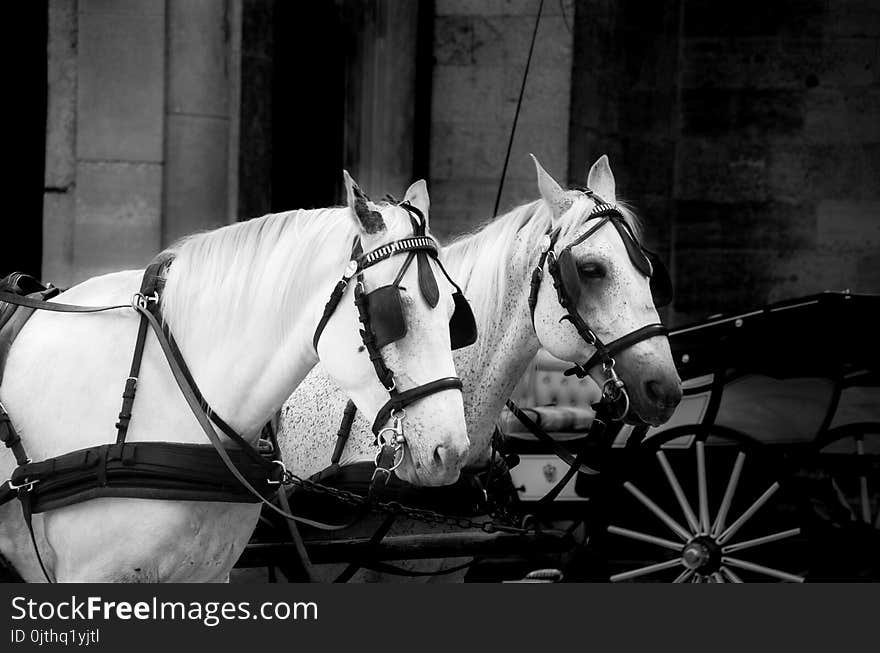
x=594, y=301
x=393, y=340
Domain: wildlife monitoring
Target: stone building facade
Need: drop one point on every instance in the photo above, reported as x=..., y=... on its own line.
x=746, y=134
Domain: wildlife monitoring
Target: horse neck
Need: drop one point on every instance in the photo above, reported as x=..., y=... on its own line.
x=247, y=371
x=492, y=367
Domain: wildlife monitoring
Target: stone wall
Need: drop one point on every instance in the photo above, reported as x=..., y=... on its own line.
x=778, y=168
x=480, y=50
x=748, y=135
x=138, y=130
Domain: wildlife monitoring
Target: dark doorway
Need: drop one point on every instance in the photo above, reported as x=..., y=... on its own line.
x=22, y=224
x=308, y=99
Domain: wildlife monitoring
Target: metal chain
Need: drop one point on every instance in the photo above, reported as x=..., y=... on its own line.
x=418, y=514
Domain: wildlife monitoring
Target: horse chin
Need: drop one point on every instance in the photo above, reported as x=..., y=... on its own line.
x=654, y=416
x=633, y=419
x=416, y=473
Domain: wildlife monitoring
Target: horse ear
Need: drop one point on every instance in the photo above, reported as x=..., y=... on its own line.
x=551, y=192
x=601, y=180
x=417, y=195
x=368, y=220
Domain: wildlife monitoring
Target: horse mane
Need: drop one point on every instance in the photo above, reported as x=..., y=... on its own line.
x=248, y=271
x=481, y=260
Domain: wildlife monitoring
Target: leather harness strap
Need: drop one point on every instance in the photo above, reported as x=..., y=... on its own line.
x=400, y=400
x=344, y=431
x=616, y=346
x=10, y=438
x=547, y=440
x=148, y=293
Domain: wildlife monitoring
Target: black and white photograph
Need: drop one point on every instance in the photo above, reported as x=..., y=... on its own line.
x=520, y=292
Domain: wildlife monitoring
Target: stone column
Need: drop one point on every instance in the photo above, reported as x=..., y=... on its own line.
x=141, y=135
x=198, y=116
x=380, y=93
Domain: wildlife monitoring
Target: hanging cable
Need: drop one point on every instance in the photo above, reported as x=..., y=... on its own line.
x=522, y=91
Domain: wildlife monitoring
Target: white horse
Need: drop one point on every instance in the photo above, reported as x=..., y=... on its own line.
x=494, y=266
x=243, y=302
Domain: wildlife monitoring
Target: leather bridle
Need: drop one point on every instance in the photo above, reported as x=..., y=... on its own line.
x=614, y=392
x=390, y=453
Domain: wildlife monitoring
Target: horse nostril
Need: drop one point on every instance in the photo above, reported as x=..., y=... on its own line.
x=652, y=390
x=449, y=456
x=660, y=394
x=438, y=455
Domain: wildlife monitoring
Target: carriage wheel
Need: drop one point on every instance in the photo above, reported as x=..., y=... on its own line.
x=858, y=491
x=849, y=457
x=713, y=540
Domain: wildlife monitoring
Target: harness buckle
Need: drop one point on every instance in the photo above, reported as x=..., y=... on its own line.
x=350, y=270
x=139, y=301
x=381, y=470
x=27, y=485
x=284, y=473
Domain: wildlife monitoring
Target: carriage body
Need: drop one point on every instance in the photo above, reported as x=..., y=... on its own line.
x=793, y=386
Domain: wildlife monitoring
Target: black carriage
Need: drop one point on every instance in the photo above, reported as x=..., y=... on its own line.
x=767, y=471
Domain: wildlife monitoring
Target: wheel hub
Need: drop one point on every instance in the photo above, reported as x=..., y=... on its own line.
x=702, y=555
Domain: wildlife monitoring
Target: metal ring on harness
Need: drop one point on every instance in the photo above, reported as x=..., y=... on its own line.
x=398, y=441
x=613, y=389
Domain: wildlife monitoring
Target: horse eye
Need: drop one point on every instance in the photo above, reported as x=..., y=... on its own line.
x=591, y=271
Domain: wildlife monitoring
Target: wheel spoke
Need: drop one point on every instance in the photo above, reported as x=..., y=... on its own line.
x=760, y=501
x=684, y=576
x=679, y=493
x=732, y=577
x=761, y=569
x=658, y=511
x=841, y=498
x=718, y=578
x=863, y=486
x=719, y=524
x=644, y=571
x=702, y=488
x=645, y=537
x=758, y=541
x=865, y=501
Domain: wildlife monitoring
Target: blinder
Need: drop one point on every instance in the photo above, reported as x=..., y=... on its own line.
x=389, y=324
x=661, y=281
x=644, y=260
x=386, y=315
x=462, y=325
